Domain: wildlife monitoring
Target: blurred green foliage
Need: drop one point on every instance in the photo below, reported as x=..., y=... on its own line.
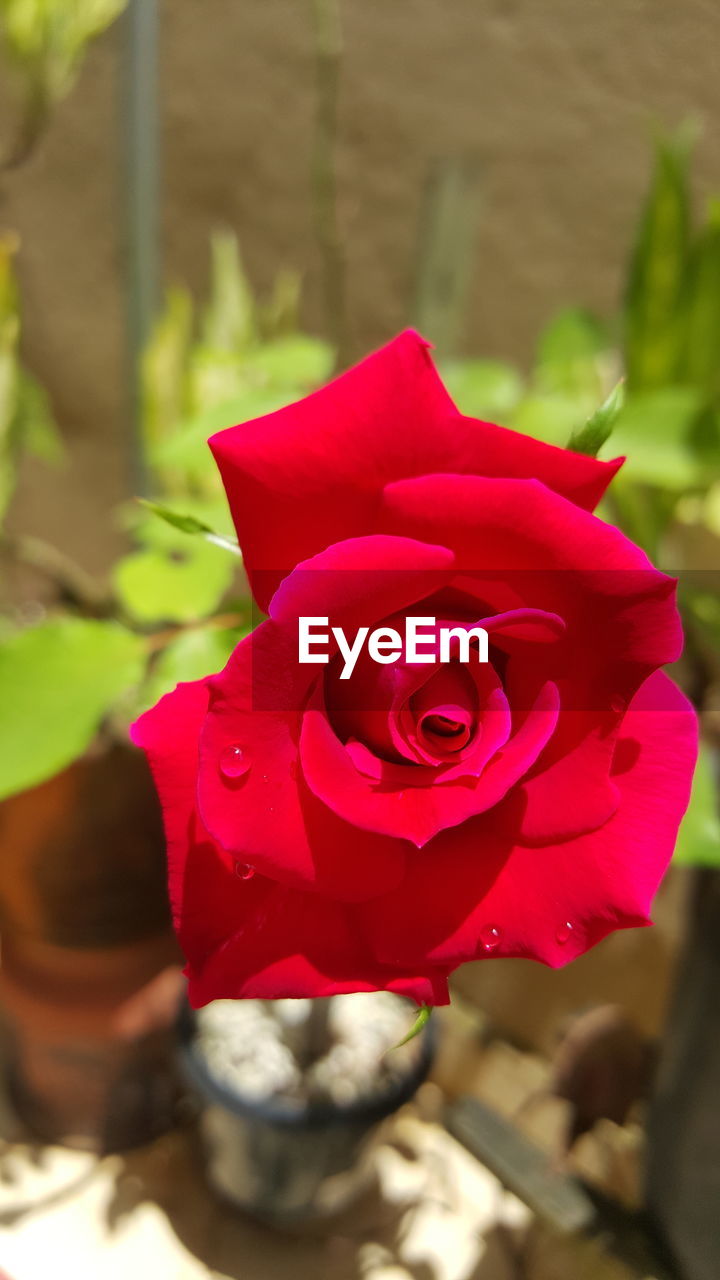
x=44, y=40
x=664, y=344
x=174, y=609
x=57, y=682
x=664, y=415
x=235, y=360
x=699, y=838
x=26, y=422
x=238, y=360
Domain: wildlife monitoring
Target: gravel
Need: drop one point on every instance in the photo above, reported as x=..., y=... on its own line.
x=263, y=1049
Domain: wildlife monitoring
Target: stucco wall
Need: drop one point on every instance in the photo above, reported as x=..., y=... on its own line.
x=555, y=98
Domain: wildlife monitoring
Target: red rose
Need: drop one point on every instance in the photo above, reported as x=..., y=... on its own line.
x=332, y=834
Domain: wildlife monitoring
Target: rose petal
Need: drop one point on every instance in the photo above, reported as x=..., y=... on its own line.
x=250, y=938
x=517, y=538
x=414, y=813
x=267, y=817
x=361, y=581
x=312, y=473
x=554, y=902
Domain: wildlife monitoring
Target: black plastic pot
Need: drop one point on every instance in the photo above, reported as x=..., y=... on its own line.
x=286, y=1161
x=683, y=1161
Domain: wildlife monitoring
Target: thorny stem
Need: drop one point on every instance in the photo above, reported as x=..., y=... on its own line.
x=328, y=53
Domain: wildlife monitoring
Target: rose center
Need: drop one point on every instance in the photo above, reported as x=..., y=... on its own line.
x=442, y=726
x=449, y=728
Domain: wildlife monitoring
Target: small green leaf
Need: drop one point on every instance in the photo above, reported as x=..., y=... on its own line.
x=191, y=524
x=590, y=438
x=187, y=524
x=421, y=1020
x=57, y=682
x=698, y=842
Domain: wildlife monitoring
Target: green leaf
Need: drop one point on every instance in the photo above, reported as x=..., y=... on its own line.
x=487, y=389
x=653, y=430
x=590, y=438
x=57, y=682
x=193, y=654
x=190, y=524
x=149, y=530
x=698, y=842
x=657, y=275
x=170, y=586
x=423, y=1017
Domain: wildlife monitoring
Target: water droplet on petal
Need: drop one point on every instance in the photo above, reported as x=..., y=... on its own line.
x=490, y=937
x=618, y=705
x=244, y=871
x=564, y=933
x=233, y=762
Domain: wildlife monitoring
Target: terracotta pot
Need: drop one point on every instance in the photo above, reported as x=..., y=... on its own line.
x=83, y=861
x=90, y=977
x=89, y=1064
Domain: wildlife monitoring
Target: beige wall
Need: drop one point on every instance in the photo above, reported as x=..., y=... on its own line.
x=554, y=97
